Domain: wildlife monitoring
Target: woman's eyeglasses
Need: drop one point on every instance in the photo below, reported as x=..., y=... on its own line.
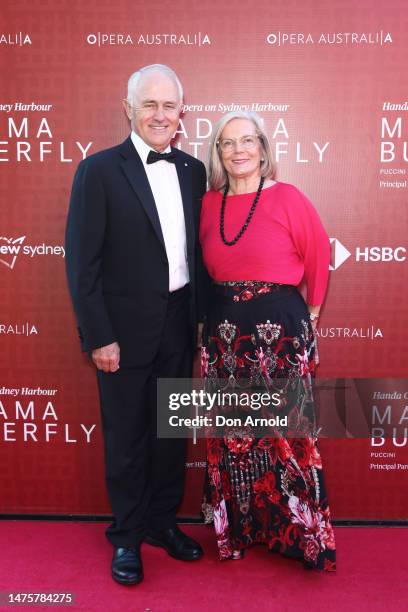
x=246, y=142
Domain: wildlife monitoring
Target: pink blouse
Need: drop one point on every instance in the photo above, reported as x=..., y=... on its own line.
x=285, y=241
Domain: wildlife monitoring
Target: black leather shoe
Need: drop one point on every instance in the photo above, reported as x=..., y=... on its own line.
x=127, y=566
x=176, y=543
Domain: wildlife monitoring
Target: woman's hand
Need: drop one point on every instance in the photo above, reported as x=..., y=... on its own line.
x=314, y=316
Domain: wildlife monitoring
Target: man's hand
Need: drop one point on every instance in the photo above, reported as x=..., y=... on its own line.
x=107, y=357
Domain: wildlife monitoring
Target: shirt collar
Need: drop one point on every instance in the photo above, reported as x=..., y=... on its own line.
x=142, y=148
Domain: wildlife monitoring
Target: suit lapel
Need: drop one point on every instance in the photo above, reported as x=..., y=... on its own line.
x=185, y=181
x=134, y=170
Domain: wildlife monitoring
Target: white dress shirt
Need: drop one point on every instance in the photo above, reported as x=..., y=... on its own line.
x=165, y=186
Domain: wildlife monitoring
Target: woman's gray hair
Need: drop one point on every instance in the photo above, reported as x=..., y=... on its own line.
x=135, y=78
x=217, y=175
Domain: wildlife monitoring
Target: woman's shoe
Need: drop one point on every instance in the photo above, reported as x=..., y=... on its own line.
x=238, y=554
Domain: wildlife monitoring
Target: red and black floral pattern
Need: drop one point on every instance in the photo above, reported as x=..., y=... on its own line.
x=266, y=490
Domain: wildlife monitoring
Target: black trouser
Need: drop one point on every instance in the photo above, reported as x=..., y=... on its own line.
x=144, y=474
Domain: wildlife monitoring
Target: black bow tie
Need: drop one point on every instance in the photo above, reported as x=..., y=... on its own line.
x=154, y=157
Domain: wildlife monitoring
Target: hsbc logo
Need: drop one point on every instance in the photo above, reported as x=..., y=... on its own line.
x=381, y=254
x=340, y=254
x=12, y=248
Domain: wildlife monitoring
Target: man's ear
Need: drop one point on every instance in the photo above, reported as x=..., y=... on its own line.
x=128, y=108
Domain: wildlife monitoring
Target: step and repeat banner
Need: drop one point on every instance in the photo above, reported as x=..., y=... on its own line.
x=329, y=81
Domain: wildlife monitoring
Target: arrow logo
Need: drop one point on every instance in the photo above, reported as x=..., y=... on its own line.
x=11, y=248
x=339, y=254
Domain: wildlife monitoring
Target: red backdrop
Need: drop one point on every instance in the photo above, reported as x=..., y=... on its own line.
x=329, y=81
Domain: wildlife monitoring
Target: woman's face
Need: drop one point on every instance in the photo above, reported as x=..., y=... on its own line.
x=240, y=149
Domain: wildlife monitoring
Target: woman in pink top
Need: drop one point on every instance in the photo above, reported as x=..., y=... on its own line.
x=260, y=238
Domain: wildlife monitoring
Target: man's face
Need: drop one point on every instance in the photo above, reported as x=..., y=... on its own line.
x=155, y=111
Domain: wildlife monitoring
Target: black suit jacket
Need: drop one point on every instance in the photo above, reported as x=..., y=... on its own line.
x=116, y=260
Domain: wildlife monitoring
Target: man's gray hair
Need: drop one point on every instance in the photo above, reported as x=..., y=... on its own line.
x=217, y=175
x=135, y=78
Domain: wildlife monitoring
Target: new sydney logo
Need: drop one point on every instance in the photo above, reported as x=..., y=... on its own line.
x=9, y=249
x=12, y=248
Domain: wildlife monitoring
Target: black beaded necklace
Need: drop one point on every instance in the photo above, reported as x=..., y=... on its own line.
x=248, y=219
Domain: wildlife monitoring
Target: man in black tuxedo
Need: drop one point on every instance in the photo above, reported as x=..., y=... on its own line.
x=132, y=253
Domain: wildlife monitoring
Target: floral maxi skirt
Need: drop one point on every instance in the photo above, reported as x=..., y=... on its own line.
x=266, y=489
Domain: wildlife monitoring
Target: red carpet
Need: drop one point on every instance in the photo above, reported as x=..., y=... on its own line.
x=58, y=557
